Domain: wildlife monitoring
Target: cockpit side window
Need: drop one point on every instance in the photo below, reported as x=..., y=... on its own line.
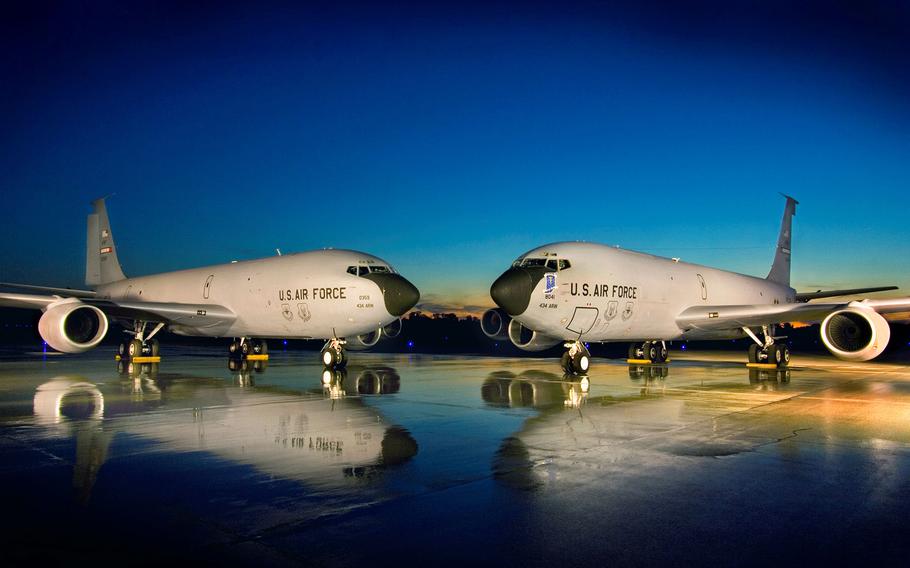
x=534, y=262
x=352, y=270
x=380, y=269
x=361, y=270
x=563, y=264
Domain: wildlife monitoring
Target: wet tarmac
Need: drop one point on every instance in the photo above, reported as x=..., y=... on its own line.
x=451, y=460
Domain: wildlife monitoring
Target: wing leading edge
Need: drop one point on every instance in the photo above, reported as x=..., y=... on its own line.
x=212, y=318
x=716, y=318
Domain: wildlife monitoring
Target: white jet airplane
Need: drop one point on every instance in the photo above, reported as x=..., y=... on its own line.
x=578, y=292
x=344, y=296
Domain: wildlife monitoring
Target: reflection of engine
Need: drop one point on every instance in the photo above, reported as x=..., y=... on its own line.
x=495, y=324
x=71, y=326
x=528, y=339
x=855, y=334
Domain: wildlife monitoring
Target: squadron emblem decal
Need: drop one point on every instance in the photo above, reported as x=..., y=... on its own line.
x=286, y=312
x=550, y=280
x=304, y=312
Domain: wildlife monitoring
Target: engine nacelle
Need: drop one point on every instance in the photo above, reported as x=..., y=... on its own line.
x=855, y=334
x=495, y=324
x=364, y=341
x=393, y=330
x=71, y=326
x=528, y=339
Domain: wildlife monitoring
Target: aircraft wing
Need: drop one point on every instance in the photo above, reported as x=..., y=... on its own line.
x=196, y=316
x=733, y=317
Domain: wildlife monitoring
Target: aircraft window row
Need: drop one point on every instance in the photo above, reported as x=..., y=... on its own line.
x=363, y=270
x=552, y=263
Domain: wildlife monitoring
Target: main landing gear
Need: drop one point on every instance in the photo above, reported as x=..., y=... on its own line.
x=333, y=355
x=767, y=352
x=142, y=344
x=576, y=360
x=652, y=351
x=246, y=346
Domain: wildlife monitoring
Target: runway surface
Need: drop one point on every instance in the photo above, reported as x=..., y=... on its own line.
x=452, y=460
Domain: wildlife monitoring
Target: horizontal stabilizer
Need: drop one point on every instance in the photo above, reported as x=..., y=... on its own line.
x=806, y=296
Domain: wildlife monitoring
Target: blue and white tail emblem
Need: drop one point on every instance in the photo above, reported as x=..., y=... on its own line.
x=550, y=280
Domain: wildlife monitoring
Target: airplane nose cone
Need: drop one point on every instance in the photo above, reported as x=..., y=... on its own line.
x=399, y=294
x=512, y=290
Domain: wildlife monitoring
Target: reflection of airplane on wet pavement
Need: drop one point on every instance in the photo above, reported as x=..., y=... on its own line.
x=321, y=436
x=571, y=422
x=323, y=294
x=577, y=292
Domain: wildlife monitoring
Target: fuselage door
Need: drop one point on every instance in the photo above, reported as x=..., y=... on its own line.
x=207, y=288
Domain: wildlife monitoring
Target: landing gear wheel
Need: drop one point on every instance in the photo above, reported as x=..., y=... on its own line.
x=333, y=358
x=566, y=362
x=753, y=353
x=134, y=349
x=154, y=348
x=246, y=348
x=780, y=354
x=581, y=362
x=121, y=350
x=657, y=351
x=633, y=351
x=234, y=348
x=261, y=347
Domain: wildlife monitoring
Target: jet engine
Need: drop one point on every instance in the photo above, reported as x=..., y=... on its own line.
x=71, y=326
x=855, y=334
x=364, y=341
x=495, y=324
x=393, y=330
x=528, y=339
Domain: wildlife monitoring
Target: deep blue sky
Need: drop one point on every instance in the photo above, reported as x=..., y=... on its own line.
x=450, y=139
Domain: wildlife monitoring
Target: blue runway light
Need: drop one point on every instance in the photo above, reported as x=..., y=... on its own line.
x=285, y=342
x=683, y=347
x=410, y=344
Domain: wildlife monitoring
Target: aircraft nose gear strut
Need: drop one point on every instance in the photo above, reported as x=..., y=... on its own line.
x=649, y=352
x=576, y=360
x=333, y=355
x=247, y=347
x=767, y=352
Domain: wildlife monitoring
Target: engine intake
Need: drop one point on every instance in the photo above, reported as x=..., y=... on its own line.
x=364, y=341
x=855, y=334
x=71, y=326
x=495, y=324
x=528, y=339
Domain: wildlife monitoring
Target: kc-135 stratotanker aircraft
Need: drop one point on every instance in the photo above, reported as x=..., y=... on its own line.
x=577, y=292
x=348, y=297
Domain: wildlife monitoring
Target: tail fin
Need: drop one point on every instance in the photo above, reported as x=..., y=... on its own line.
x=101, y=264
x=780, y=269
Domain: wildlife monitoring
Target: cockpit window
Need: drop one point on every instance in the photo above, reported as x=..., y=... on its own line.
x=380, y=269
x=563, y=264
x=352, y=270
x=534, y=262
x=361, y=270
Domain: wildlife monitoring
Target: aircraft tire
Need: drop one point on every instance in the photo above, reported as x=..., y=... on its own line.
x=777, y=354
x=753, y=353
x=328, y=358
x=263, y=347
x=633, y=351
x=134, y=349
x=581, y=362
x=566, y=362
x=246, y=347
x=154, y=348
x=234, y=348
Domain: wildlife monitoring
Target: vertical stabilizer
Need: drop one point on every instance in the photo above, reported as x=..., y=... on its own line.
x=780, y=269
x=101, y=264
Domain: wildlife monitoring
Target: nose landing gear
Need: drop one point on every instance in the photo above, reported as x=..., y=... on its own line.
x=576, y=360
x=333, y=355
